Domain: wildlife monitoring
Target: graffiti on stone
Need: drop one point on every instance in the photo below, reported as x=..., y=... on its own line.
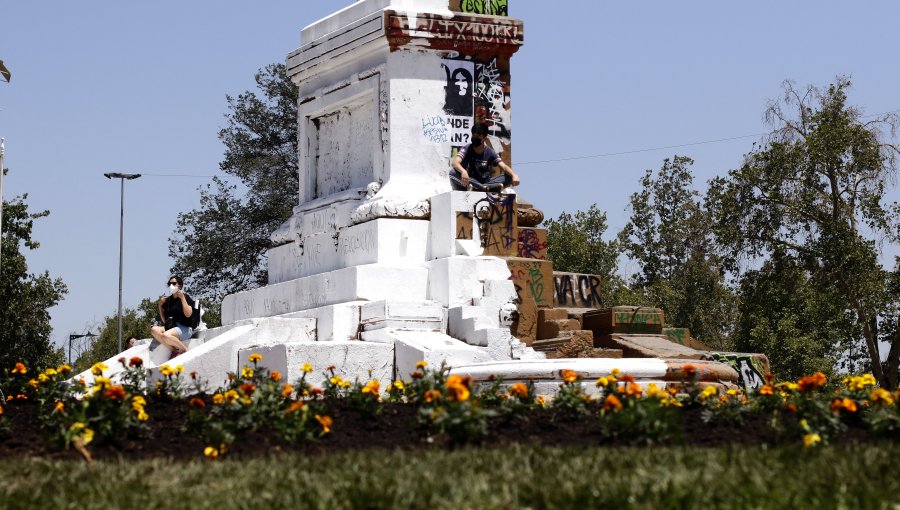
x=750, y=374
x=493, y=7
x=497, y=223
x=492, y=102
x=531, y=244
x=577, y=290
x=463, y=225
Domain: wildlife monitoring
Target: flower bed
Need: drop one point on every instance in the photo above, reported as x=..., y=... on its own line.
x=258, y=413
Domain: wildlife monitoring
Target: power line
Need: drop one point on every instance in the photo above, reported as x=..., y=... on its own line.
x=574, y=158
x=178, y=175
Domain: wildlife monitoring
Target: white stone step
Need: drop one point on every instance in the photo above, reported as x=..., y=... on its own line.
x=425, y=315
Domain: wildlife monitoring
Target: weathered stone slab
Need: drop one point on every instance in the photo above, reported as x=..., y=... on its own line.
x=683, y=336
x=624, y=319
x=647, y=346
x=496, y=215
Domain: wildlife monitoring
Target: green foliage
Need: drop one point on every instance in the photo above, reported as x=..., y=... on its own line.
x=25, y=298
x=670, y=237
x=812, y=193
x=220, y=248
x=135, y=322
x=785, y=315
x=575, y=244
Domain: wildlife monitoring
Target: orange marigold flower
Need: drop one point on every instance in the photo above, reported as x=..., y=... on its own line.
x=287, y=391
x=20, y=369
x=248, y=389
x=812, y=382
x=326, y=422
x=568, y=376
x=612, y=403
x=689, y=370
x=64, y=369
x=845, y=404
x=372, y=387
x=136, y=362
x=432, y=395
x=770, y=377
x=882, y=396
x=767, y=390
x=275, y=375
x=197, y=402
x=21, y=397
x=296, y=406
x=458, y=388
x=1, y=410
x=519, y=390
x=790, y=407
x=627, y=379
x=115, y=393
x=633, y=390
x=59, y=407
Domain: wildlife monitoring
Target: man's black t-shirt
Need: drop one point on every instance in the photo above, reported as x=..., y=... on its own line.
x=479, y=166
x=172, y=308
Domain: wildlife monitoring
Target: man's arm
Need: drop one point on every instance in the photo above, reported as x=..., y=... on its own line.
x=509, y=171
x=463, y=174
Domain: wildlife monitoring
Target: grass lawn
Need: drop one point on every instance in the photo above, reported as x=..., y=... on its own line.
x=852, y=477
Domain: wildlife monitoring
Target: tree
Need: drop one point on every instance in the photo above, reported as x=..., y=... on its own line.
x=25, y=298
x=813, y=192
x=221, y=248
x=669, y=235
x=136, y=322
x=575, y=244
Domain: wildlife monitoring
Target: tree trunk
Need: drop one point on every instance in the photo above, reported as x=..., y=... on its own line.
x=893, y=362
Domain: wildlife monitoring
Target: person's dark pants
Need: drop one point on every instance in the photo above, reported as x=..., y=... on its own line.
x=493, y=184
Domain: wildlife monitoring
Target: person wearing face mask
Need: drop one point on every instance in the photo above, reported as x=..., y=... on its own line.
x=175, y=311
x=474, y=164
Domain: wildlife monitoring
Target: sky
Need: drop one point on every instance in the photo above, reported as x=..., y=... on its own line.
x=140, y=87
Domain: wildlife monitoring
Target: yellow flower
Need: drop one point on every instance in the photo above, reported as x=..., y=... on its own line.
x=709, y=391
x=247, y=372
x=210, y=453
x=882, y=396
x=138, y=400
x=166, y=370
x=732, y=393
x=218, y=398
x=859, y=382
x=87, y=436
x=255, y=358
x=98, y=368
x=399, y=386
x=179, y=369
x=51, y=371
x=143, y=416
x=810, y=440
x=602, y=382
x=654, y=391
x=43, y=378
x=540, y=401
x=34, y=383
x=20, y=369
x=59, y=407
x=64, y=369
x=231, y=396
x=103, y=382
x=615, y=372
x=326, y=422
x=458, y=388
x=422, y=364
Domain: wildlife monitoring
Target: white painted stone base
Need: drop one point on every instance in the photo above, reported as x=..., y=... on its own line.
x=353, y=360
x=411, y=347
x=457, y=281
x=373, y=282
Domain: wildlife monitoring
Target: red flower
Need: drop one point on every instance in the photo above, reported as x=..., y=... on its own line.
x=115, y=393
x=689, y=370
x=248, y=389
x=135, y=362
x=197, y=402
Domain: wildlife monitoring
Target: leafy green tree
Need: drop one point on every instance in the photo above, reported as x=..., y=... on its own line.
x=784, y=314
x=25, y=298
x=670, y=237
x=220, y=248
x=814, y=192
x=575, y=244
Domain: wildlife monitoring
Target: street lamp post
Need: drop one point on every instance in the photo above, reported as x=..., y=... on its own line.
x=76, y=337
x=2, y=150
x=122, y=178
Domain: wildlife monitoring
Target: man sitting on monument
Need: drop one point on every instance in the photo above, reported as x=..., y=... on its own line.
x=474, y=164
x=175, y=311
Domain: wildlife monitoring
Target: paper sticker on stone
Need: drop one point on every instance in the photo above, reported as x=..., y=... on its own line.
x=459, y=99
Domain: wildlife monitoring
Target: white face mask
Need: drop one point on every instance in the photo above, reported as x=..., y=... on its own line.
x=173, y=289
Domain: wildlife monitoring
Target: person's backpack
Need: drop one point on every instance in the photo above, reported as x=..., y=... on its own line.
x=195, y=317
